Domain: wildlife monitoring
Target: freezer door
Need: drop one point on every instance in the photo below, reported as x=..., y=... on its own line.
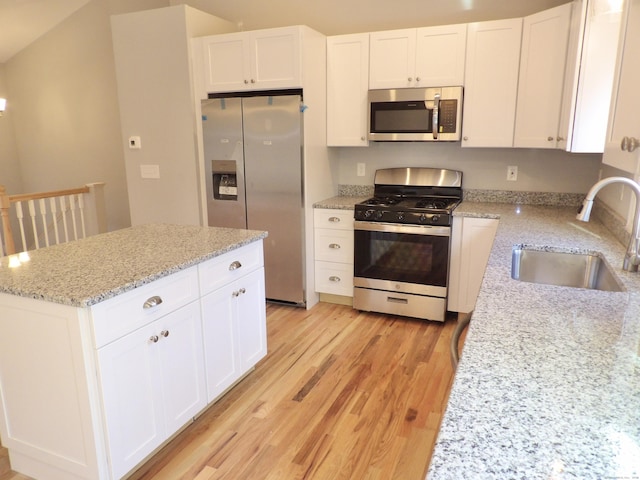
x=273, y=169
x=224, y=162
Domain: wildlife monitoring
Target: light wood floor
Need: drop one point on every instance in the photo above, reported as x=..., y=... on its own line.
x=341, y=395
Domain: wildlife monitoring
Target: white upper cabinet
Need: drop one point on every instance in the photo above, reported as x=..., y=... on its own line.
x=623, y=133
x=491, y=83
x=423, y=57
x=347, y=88
x=545, y=38
x=255, y=60
x=593, y=43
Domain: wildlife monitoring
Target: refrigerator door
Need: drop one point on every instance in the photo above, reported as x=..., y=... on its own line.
x=224, y=162
x=273, y=169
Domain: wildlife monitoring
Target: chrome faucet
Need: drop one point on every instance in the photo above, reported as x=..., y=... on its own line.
x=632, y=257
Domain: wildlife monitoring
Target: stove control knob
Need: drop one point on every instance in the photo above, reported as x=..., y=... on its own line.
x=379, y=214
x=368, y=213
x=400, y=215
x=435, y=218
x=423, y=218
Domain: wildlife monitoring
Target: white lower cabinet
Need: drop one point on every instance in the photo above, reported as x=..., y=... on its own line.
x=471, y=243
x=333, y=245
x=235, y=336
x=89, y=393
x=152, y=384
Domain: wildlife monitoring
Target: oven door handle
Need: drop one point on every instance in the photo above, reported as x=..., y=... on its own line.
x=403, y=228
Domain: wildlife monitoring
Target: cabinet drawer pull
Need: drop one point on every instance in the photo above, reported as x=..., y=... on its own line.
x=235, y=265
x=334, y=278
x=164, y=333
x=334, y=219
x=152, y=302
x=154, y=338
x=334, y=246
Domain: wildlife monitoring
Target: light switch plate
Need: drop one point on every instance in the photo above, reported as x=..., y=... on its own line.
x=150, y=171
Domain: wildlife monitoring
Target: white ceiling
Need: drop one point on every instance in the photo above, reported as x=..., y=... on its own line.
x=23, y=21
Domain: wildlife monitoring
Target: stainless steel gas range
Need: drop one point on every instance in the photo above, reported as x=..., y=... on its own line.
x=402, y=242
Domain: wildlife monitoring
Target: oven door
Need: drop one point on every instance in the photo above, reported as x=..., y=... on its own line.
x=402, y=258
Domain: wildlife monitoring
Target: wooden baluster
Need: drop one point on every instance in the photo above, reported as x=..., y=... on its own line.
x=32, y=214
x=81, y=210
x=43, y=216
x=72, y=207
x=20, y=215
x=63, y=209
x=54, y=216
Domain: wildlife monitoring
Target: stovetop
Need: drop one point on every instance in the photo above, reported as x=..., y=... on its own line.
x=407, y=210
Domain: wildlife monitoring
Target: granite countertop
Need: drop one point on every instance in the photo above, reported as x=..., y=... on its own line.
x=548, y=384
x=341, y=202
x=88, y=271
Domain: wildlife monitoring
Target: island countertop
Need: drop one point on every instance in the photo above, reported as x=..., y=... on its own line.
x=84, y=272
x=548, y=384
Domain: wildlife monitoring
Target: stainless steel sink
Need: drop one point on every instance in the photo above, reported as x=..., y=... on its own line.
x=563, y=268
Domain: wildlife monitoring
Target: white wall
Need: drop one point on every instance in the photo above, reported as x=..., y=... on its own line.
x=9, y=165
x=64, y=109
x=483, y=168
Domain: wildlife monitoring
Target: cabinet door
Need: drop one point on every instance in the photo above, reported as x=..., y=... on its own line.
x=252, y=319
x=392, y=59
x=471, y=243
x=543, y=60
x=625, y=101
x=227, y=64
x=347, y=89
x=440, y=55
x=219, y=336
x=132, y=398
x=491, y=83
x=181, y=366
x=276, y=58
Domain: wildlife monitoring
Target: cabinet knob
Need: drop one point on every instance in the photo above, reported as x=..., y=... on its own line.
x=334, y=246
x=410, y=79
x=154, y=339
x=246, y=81
x=253, y=80
x=362, y=138
x=333, y=278
x=334, y=219
x=550, y=139
x=164, y=333
x=152, y=302
x=417, y=79
x=465, y=138
x=235, y=265
x=629, y=144
x=560, y=139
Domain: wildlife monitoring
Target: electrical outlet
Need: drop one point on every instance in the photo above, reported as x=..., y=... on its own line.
x=360, y=169
x=512, y=173
x=134, y=143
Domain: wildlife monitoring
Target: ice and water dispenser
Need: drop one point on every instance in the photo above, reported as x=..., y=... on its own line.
x=225, y=179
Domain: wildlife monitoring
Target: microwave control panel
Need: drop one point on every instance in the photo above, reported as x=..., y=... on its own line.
x=448, y=116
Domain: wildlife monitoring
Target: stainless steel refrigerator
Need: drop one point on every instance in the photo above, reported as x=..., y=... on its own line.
x=253, y=166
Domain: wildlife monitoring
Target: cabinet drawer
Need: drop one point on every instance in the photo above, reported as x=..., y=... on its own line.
x=332, y=218
x=222, y=270
x=125, y=313
x=334, y=245
x=334, y=278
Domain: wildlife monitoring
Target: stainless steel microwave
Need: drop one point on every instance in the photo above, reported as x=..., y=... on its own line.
x=415, y=114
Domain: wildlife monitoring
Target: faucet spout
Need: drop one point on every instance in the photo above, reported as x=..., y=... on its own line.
x=632, y=256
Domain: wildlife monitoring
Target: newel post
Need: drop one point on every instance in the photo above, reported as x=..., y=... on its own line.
x=95, y=203
x=5, y=205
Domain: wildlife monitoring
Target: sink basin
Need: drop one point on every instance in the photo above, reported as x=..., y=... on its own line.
x=580, y=270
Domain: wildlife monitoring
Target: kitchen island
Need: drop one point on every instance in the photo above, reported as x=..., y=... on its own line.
x=548, y=384
x=112, y=344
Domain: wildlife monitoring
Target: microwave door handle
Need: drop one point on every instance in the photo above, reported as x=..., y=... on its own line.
x=435, y=116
